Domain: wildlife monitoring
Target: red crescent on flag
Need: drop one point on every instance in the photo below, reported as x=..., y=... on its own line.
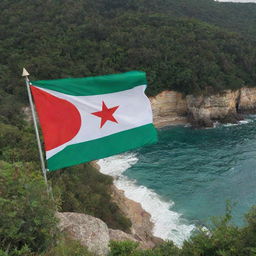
x=60, y=120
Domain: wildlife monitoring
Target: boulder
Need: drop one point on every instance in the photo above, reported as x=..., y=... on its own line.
x=89, y=231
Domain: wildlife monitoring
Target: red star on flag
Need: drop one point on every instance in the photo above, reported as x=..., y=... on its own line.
x=106, y=114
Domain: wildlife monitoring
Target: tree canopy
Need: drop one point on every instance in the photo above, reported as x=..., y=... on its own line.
x=191, y=46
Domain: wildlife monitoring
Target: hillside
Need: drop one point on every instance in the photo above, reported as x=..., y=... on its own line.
x=191, y=46
x=236, y=17
x=56, y=39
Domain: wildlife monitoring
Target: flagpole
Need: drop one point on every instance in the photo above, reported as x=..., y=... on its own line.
x=26, y=74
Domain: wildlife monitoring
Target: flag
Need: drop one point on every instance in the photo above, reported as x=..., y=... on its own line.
x=85, y=119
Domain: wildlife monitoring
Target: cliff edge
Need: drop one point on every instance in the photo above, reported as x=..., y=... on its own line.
x=173, y=108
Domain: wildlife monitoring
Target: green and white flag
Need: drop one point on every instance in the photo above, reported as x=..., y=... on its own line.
x=85, y=119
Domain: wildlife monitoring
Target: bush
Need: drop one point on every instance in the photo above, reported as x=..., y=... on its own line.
x=84, y=189
x=128, y=248
x=221, y=239
x=27, y=222
x=68, y=247
x=122, y=248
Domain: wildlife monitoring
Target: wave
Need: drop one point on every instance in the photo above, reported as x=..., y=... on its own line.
x=241, y=122
x=168, y=224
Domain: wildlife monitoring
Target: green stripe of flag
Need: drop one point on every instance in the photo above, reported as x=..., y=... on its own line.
x=95, y=85
x=103, y=147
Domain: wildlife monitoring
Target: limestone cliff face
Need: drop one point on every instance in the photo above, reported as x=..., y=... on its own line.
x=172, y=108
x=169, y=107
x=204, y=110
x=247, y=100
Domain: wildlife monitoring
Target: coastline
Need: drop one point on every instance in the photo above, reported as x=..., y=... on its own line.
x=153, y=220
x=171, y=108
x=142, y=225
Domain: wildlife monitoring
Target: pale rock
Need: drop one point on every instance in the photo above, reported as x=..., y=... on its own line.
x=142, y=225
x=206, y=109
x=89, y=231
x=169, y=108
x=247, y=99
x=119, y=235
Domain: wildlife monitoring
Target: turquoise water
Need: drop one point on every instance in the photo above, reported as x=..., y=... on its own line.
x=199, y=170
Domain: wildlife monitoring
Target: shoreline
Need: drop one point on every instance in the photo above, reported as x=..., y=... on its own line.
x=152, y=218
x=142, y=225
x=171, y=108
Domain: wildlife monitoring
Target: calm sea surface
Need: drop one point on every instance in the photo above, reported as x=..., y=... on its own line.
x=200, y=170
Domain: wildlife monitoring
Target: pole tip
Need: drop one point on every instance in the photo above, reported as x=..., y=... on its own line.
x=25, y=72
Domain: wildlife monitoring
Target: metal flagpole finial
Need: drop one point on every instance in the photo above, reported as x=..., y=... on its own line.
x=25, y=72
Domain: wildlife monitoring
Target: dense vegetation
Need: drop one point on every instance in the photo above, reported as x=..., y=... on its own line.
x=222, y=239
x=192, y=46
x=27, y=222
x=83, y=189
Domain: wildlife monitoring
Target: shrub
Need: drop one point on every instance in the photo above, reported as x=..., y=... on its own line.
x=84, y=189
x=27, y=222
x=122, y=248
x=68, y=247
x=128, y=248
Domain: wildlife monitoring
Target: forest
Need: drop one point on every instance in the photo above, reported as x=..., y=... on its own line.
x=191, y=46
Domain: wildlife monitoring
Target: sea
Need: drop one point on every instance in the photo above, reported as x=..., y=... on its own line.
x=190, y=176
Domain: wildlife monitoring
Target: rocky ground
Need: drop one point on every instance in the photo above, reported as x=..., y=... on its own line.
x=95, y=234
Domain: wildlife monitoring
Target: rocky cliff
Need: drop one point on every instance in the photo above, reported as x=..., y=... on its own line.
x=169, y=107
x=142, y=225
x=247, y=100
x=205, y=110
x=172, y=108
x=94, y=234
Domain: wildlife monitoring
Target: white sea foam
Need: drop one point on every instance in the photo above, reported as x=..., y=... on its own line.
x=245, y=121
x=168, y=224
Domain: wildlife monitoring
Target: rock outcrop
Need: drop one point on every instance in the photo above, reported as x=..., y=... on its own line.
x=94, y=234
x=247, y=100
x=172, y=108
x=204, y=110
x=169, y=107
x=142, y=225
x=119, y=235
x=89, y=231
